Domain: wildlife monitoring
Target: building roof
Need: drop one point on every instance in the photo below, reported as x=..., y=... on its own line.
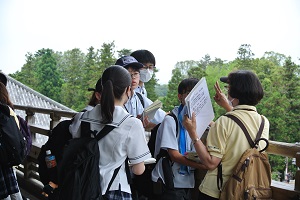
x=21, y=94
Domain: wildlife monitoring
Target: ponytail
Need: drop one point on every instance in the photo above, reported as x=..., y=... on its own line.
x=107, y=102
x=115, y=80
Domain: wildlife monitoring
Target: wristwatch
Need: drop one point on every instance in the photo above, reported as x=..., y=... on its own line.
x=196, y=140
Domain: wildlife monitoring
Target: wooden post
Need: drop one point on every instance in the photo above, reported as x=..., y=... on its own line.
x=297, y=175
x=30, y=118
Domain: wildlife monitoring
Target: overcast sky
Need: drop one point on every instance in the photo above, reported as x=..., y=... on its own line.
x=172, y=30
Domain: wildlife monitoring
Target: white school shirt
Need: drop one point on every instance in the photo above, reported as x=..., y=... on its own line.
x=73, y=128
x=135, y=107
x=126, y=140
x=142, y=90
x=166, y=139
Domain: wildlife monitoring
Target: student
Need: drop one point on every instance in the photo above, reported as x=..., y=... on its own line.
x=9, y=189
x=134, y=105
x=94, y=100
x=124, y=141
x=146, y=72
x=176, y=144
x=244, y=93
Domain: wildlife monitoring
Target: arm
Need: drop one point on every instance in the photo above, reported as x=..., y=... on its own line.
x=211, y=162
x=221, y=98
x=177, y=157
x=138, y=168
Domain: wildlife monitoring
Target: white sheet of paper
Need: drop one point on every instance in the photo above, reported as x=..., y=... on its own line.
x=199, y=101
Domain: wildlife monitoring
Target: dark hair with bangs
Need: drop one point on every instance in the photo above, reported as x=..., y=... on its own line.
x=143, y=56
x=246, y=87
x=186, y=85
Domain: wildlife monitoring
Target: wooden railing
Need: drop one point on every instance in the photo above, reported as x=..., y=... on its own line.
x=28, y=177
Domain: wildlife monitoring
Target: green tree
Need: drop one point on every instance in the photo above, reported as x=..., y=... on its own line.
x=74, y=86
x=47, y=76
x=27, y=73
x=171, y=99
x=106, y=55
x=245, y=56
x=124, y=52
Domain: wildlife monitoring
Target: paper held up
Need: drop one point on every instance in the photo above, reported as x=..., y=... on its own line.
x=151, y=110
x=199, y=102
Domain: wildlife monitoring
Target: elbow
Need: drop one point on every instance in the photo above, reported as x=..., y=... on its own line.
x=210, y=167
x=138, y=169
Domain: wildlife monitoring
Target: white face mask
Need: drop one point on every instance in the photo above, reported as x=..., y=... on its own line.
x=145, y=75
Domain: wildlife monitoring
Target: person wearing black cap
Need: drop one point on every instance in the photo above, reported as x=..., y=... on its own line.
x=244, y=93
x=134, y=105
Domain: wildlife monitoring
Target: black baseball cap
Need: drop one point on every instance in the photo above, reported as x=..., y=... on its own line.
x=224, y=79
x=129, y=61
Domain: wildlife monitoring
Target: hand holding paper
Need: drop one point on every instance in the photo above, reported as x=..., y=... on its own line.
x=199, y=102
x=151, y=110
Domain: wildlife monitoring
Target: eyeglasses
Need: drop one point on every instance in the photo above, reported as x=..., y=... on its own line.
x=151, y=67
x=135, y=75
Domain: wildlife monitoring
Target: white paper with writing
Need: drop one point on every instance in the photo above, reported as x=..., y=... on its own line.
x=199, y=101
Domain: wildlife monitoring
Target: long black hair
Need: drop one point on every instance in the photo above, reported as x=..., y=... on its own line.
x=115, y=80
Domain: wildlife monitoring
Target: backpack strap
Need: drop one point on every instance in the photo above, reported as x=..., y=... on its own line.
x=104, y=132
x=258, y=135
x=250, y=141
x=141, y=99
x=163, y=152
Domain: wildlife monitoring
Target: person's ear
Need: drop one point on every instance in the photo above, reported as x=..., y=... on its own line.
x=180, y=97
x=128, y=91
x=98, y=96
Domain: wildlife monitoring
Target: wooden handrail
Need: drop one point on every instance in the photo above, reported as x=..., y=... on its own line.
x=280, y=190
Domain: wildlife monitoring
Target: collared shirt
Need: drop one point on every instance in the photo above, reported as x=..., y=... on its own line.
x=135, y=108
x=166, y=139
x=73, y=128
x=142, y=90
x=227, y=141
x=126, y=140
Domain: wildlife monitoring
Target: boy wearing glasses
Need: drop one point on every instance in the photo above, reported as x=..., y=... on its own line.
x=146, y=72
x=134, y=105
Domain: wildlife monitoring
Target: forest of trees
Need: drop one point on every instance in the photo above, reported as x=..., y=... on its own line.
x=65, y=77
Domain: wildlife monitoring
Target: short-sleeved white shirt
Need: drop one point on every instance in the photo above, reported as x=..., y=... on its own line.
x=142, y=90
x=135, y=107
x=126, y=140
x=167, y=138
x=73, y=128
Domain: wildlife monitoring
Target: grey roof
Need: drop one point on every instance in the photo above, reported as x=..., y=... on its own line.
x=21, y=94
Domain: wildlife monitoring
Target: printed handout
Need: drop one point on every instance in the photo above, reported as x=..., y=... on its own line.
x=199, y=102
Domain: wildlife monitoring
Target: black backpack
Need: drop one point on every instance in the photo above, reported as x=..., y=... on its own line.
x=143, y=184
x=12, y=143
x=58, y=138
x=79, y=176
x=25, y=130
